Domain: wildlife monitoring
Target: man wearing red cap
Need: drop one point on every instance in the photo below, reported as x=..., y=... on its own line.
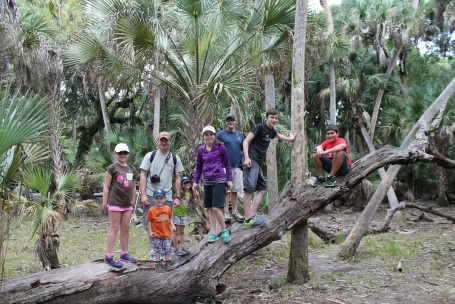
x=157, y=170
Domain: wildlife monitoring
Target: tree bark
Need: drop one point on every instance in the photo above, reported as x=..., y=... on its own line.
x=272, y=175
x=298, y=268
x=197, y=275
x=298, y=275
x=103, y=104
x=331, y=34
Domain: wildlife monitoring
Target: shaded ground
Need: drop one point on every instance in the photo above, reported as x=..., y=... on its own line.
x=426, y=251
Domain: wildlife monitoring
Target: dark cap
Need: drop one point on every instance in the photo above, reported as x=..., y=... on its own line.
x=159, y=192
x=230, y=116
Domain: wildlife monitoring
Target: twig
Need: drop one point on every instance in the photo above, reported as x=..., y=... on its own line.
x=422, y=288
x=335, y=301
x=435, y=284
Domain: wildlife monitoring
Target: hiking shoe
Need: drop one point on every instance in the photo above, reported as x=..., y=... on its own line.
x=227, y=216
x=112, y=262
x=255, y=221
x=159, y=267
x=225, y=236
x=237, y=216
x=212, y=238
x=185, y=251
x=127, y=258
x=168, y=266
x=179, y=251
x=330, y=182
x=319, y=182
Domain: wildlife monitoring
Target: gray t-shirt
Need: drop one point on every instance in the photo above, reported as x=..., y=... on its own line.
x=165, y=176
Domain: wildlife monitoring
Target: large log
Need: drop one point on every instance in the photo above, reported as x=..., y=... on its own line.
x=197, y=275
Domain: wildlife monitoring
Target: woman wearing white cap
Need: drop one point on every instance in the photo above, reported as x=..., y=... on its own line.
x=119, y=195
x=213, y=164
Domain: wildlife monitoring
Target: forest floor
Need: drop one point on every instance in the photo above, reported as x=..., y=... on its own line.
x=423, y=246
x=425, y=249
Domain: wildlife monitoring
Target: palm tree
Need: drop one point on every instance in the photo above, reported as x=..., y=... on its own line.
x=23, y=119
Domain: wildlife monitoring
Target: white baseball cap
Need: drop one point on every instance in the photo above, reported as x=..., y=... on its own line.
x=121, y=147
x=208, y=128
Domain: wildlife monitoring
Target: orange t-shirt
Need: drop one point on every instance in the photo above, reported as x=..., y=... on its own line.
x=160, y=218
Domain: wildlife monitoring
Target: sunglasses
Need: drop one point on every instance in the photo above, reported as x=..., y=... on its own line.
x=123, y=153
x=230, y=120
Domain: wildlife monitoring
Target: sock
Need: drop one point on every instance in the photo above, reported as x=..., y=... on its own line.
x=109, y=255
x=123, y=252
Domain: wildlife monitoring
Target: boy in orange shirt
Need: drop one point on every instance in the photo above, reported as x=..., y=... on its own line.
x=332, y=156
x=160, y=222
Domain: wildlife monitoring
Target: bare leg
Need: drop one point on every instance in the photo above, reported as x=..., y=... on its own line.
x=256, y=201
x=234, y=200
x=216, y=214
x=317, y=165
x=227, y=199
x=114, y=225
x=125, y=229
x=337, y=162
x=247, y=203
x=181, y=232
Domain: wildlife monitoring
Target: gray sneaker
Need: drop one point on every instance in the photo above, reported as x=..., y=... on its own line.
x=159, y=267
x=255, y=221
x=227, y=216
x=168, y=266
x=237, y=216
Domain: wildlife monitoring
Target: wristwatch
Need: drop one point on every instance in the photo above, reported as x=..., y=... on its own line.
x=176, y=197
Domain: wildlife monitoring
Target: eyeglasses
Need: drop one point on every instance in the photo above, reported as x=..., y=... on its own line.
x=230, y=120
x=123, y=153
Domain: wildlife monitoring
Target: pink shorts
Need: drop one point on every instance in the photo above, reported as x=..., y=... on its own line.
x=120, y=209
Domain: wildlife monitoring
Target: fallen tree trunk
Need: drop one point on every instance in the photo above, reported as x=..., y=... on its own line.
x=401, y=206
x=197, y=275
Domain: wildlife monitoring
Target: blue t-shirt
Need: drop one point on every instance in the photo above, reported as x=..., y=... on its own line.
x=233, y=141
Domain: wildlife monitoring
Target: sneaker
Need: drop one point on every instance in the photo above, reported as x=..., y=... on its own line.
x=212, y=238
x=185, y=250
x=168, y=266
x=127, y=258
x=179, y=251
x=112, y=262
x=227, y=216
x=319, y=182
x=225, y=236
x=237, y=216
x=330, y=182
x=255, y=221
x=159, y=267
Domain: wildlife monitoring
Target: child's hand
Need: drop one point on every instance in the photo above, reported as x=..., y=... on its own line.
x=173, y=227
x=176, y=203
x=152, y=234
x=230, y=185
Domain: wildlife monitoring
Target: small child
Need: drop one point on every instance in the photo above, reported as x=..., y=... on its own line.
x=159, y=220
x=180, y=212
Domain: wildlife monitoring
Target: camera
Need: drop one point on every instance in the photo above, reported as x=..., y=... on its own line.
x=155, y=178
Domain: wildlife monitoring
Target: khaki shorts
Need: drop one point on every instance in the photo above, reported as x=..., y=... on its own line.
x=237, y=181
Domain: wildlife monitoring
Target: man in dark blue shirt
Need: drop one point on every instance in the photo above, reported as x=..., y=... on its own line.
x=233, y=140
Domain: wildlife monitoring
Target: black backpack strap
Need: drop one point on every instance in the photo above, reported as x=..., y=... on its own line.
x=152, y=156
x=174, y=158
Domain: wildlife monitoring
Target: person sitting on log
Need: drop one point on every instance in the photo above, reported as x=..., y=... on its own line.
x=332, y=156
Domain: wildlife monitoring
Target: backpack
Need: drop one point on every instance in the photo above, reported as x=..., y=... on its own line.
x=174, y=158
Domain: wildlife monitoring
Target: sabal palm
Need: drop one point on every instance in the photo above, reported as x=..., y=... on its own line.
x=23, y=119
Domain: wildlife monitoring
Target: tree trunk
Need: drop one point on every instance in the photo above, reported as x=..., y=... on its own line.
x=300, y=145
x=272, y=175
x=353, y=241
x=393, y=200
x=331, y=33
x=156, y=112
x=298, y=268
x=103, y=104
x=197, y=275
